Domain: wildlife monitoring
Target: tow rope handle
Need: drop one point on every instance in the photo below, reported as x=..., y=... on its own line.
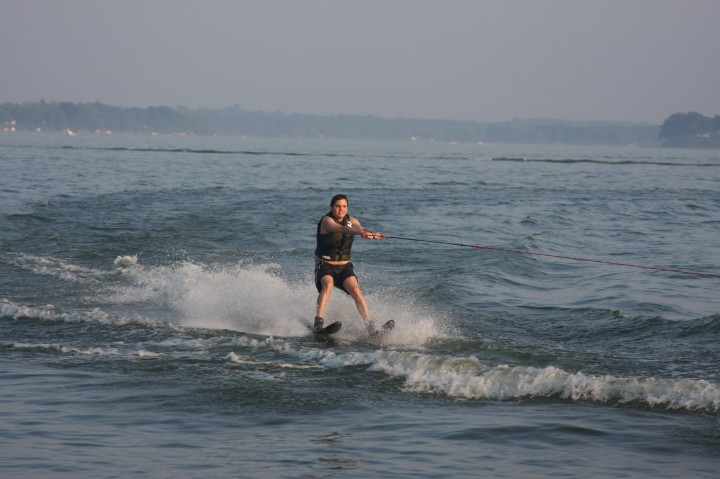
x=375, y=236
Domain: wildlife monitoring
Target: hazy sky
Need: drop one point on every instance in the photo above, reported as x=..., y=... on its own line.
x=494, y=60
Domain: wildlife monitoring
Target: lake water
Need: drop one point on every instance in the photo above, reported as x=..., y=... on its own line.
x=156, y=293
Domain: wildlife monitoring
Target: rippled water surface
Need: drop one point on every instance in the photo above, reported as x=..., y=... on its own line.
x=156, y=293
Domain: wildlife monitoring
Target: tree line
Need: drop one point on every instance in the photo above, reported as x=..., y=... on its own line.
x=92, y=117
x=678, y=130
x=691, y=130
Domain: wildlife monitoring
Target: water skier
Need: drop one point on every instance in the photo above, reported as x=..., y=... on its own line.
x=335, y=234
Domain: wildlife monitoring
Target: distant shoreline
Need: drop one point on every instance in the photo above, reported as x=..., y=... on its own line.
x=235, y=121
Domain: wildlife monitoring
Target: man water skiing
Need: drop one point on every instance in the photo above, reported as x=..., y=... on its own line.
x=335, y=233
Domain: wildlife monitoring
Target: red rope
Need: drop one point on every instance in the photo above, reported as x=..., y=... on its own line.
x=557, y=256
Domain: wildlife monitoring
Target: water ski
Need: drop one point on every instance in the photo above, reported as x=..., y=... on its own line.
x=331, y=328
x=384, y=330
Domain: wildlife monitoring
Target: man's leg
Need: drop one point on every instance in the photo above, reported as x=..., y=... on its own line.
x=353, y=288
x=326, y=287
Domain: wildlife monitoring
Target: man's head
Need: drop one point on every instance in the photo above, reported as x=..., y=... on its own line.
x=339, y=206
x=336, y=198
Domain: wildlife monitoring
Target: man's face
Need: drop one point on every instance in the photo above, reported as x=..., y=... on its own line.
x=339, y=209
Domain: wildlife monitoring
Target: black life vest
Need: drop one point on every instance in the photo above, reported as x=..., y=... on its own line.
x=334, y=246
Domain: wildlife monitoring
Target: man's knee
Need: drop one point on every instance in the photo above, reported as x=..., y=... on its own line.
x=326, y=283
x=352, y=287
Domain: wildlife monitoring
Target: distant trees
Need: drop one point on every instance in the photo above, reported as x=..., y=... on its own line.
x=691, y=130
x=51, y=116
x=679, y=130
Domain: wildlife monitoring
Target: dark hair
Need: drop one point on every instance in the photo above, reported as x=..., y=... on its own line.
x=336, y=198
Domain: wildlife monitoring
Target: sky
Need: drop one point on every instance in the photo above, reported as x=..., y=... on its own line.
x=483, y=60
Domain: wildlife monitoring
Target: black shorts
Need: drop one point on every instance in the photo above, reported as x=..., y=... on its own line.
x=339, y=274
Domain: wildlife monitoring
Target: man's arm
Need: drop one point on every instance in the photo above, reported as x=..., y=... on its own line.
x=330, y=226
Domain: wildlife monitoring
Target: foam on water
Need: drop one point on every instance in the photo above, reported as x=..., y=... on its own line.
x=257, y=299
x=251, y=298
x=58, y=268
x=49, y=312
x=468, y=378
x=75, y=351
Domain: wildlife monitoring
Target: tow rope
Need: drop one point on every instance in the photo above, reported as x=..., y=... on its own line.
x=553, y=256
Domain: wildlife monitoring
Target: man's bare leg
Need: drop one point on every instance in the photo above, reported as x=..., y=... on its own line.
x=353, y=288
x=326, y=285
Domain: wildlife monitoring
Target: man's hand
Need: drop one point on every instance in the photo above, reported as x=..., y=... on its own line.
x=373, y=236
